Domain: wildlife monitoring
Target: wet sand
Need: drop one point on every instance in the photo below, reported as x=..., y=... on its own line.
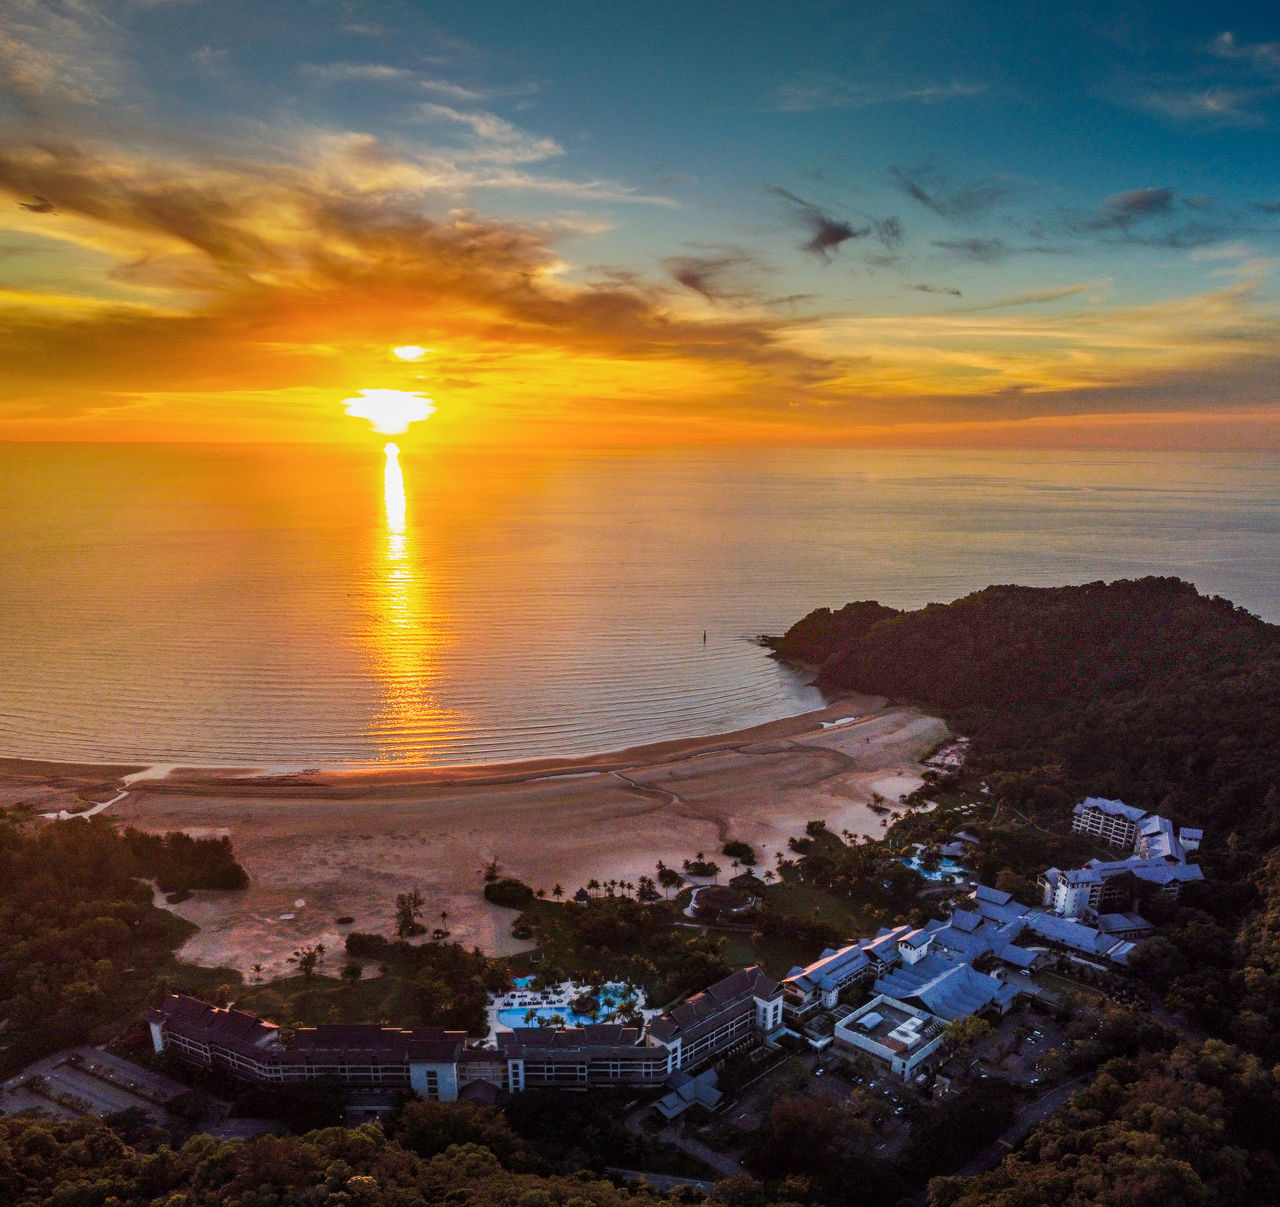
x=346, y=842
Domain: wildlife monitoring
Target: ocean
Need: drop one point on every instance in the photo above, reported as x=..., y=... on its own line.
x=303, y=606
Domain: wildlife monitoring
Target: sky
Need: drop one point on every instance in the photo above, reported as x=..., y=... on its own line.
x=920, y=224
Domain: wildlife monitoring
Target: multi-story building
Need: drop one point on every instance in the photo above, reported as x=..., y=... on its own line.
x=727, y=1014
x=580, y=1058
x=897, y=1037
x=818, y=986
x=424, y=1059
x=436, y=1063
x=1110, y=820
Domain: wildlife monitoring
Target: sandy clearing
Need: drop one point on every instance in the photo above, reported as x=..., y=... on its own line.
x=348, y=842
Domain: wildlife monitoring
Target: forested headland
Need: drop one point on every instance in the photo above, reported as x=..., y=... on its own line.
x=82, y=945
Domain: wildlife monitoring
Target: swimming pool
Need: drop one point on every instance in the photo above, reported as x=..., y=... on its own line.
x=610, y=998
x=948, y=867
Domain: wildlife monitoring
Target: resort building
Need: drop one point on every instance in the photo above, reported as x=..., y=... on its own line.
x=742, y=1007
x=580, y=1058
x=818, y=986
x=947, y=990
x=1000, y=907
x=1110, y=820
x=424, y=1059
x=896, y=1036
x=1159, y=858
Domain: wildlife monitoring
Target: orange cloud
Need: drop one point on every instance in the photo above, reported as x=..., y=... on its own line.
x=244, y=295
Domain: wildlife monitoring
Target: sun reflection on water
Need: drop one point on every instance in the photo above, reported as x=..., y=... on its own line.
x=407, y=639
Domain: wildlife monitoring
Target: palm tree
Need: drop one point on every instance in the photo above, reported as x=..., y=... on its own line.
x=557, y=892
x=257, y=972
x=593, y=886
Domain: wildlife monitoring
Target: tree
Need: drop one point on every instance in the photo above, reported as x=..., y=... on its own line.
x=962, y=1033
x=557, y=892
x=308, y=959
x=351, y=971
x=408, y=911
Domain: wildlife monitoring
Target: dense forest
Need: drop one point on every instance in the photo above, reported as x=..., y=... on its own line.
x=1144, y=689
x=81, y=944
x=1165, y=1128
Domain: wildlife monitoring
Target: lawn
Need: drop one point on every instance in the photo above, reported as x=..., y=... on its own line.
x=298, y=1001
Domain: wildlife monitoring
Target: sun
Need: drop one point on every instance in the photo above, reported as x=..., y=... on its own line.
x=409, y=352
x=390, y=411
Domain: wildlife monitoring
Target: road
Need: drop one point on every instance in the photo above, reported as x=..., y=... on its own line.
x=1028, y=1117
x=726, y=1167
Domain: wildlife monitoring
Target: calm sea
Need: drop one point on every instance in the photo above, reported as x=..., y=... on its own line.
x=305, y=607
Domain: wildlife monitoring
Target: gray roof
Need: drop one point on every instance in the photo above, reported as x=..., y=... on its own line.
x=1113, y=808
x=831, y=969
x=691, y=1018
x=689, y=1091
x=950, y=991
x=1123, y=923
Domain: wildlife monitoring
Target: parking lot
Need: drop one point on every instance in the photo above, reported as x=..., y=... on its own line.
x=86, y=1081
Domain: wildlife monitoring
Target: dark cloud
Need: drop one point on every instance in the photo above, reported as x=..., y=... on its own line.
x=1269, y=207
x=828, y=233
x=39, y=205
x=992, y=251
x=948, y=289
x=955, y=202
x=889, y=232
x=1158, y=217
x=1125, y=210
x=723, y=277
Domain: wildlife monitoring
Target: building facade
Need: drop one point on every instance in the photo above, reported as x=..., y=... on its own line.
x=741, y=1009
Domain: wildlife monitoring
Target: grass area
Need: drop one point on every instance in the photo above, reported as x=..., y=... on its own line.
x=806, y=901
x=299, y=1001
x=1054, y=980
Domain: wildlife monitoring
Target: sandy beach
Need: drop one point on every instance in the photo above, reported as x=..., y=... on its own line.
x=322, y=845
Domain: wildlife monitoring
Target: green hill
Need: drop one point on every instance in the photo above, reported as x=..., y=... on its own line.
x=1143, y=689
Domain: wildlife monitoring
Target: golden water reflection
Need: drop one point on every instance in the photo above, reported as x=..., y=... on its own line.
x=407, y=637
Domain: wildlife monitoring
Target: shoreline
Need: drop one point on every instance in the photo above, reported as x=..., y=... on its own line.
x=336, y=843
x=245, y=779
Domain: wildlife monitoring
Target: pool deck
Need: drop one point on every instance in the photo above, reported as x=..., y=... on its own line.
x=558, y=998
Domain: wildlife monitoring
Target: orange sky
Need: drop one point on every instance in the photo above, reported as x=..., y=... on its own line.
x=235, y=281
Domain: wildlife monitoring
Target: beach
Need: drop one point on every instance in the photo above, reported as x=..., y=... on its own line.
x=319, y=845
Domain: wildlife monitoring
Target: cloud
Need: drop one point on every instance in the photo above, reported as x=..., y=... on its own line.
x=991, y=251
x=826, y=233
x=727, y=275
x=846, y=94
x=58, y=53
x=1124, y=210
x=1231, y=84
x=495, y=138
x=956, y=203
x=283, y=276
x=1040, y=297
x=384, y=73
x=1158, y=217
x=1264, y=56
x=1217, y=104
x=948, y=289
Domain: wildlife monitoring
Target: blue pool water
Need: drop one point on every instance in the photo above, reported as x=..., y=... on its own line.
x=949, y=867
x=610, y=998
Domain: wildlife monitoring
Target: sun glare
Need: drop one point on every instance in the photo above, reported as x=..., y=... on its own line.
x=409, y=352
x=390, y=411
